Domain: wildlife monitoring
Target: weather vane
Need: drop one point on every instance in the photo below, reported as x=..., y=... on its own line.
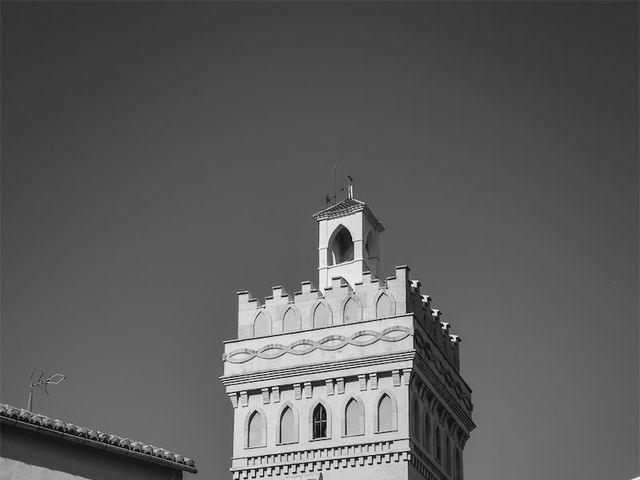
x=41, y=384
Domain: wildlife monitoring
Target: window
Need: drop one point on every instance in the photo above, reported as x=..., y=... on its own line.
x=447, y=454
x=319, y=426
x=386, y=414
x=340, y=247
x=427, y=432
x=352, y=311
x=321, y=316
x=458, y=464
x=256, y=431
x=288, y=426
x=354, y=418
x=261, y=325
x=384, y=306
x=438, y=445
x=291, y=321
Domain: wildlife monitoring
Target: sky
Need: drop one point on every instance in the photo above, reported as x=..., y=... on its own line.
x=159, y=157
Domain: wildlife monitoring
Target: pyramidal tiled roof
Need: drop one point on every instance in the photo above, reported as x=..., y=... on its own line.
x=346, y=207
x=95, y=438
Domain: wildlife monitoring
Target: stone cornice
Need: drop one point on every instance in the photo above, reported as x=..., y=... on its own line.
x=304, y=370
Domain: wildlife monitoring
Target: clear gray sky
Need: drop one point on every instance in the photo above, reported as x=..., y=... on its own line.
x=159, y=157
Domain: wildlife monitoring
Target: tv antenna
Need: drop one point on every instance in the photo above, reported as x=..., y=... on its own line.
x=41, y=383
x=334, y=197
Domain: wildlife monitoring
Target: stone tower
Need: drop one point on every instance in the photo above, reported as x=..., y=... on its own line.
x=358, y=379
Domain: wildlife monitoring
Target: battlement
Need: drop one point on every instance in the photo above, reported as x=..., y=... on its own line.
x=341, y=303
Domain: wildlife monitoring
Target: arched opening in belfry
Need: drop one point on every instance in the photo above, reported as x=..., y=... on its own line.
x=340, y=248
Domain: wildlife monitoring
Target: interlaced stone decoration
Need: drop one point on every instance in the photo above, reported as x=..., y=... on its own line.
x=361, y=338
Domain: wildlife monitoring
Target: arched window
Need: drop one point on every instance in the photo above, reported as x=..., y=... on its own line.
x=416, y=420
x=256, y=436
x=340, y=247
x=447, y=454
x=319, y=422
x=261, y=325
x=354, y=418
x=384, y=306
x=438, y=445
x=387, y=419
x=321, y=316
x=352, y=311
x=288, y=426
x=428, y=433
x=291, y=321
x=458, y=464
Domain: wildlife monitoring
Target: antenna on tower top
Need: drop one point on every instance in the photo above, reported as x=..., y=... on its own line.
x=41, y=384
x=329, y=198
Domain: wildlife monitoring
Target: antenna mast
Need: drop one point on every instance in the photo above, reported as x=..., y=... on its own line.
x=328, y=197
x=42, y=383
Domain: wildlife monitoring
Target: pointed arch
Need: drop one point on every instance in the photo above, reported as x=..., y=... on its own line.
x=320, y=421
x=340, y=246
x=288, y=426
x=256, y=429
x=322, y=315
x=385, y=305
x=352, y=311
x=291, y=320
x=353, y=417
x=262, y=325
x=428, y=432
x=386, y=419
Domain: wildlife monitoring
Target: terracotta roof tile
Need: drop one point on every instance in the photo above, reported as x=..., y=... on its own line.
x=347, y=207
x=8, y=412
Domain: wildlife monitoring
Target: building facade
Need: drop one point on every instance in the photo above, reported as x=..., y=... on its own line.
x=356, y=379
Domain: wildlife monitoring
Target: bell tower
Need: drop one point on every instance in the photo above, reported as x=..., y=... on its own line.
x=358, y=379
x=348, y=241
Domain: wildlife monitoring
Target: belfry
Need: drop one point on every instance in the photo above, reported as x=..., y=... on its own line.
x=356, y=379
